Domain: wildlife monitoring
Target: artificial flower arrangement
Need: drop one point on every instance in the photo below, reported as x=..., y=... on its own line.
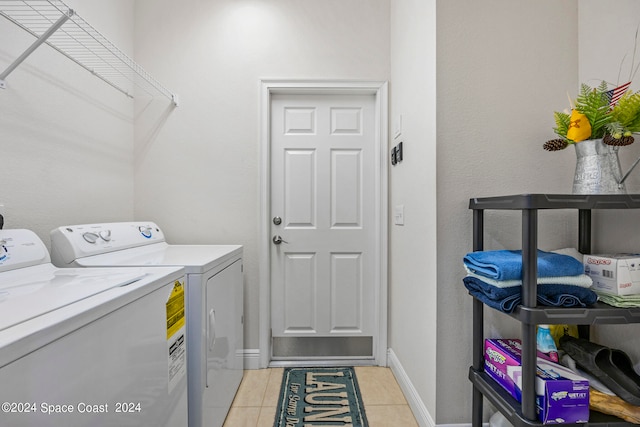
x=598, y=113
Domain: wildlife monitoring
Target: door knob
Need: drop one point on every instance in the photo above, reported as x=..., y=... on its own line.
x=278, y=240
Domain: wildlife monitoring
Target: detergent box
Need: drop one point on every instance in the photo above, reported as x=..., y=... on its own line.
x=617, y=274
x=561, y=395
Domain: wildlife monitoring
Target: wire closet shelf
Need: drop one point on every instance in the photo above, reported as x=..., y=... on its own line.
x=56, y=24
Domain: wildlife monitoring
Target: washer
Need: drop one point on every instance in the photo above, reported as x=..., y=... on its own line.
x=88, y=346
x=214, y=283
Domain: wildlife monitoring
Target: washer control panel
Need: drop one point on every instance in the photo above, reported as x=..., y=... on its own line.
x=3, y=250
x=68, y=243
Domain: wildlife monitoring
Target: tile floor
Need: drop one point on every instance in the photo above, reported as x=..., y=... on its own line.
x=256, y=400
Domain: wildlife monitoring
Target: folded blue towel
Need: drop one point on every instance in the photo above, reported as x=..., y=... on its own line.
x=507, y=265
x=507, y=299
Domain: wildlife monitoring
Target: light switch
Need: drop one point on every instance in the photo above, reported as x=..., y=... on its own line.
x=398, y=215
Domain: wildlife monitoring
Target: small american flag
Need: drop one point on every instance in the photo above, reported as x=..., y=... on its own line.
x=615, y=94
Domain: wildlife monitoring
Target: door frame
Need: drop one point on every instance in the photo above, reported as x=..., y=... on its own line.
x=379, y=89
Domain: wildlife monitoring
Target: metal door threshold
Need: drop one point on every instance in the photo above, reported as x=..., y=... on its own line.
x=324, y=363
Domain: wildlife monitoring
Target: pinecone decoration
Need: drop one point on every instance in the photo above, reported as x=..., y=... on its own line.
x=617, y=142
x=555, y=144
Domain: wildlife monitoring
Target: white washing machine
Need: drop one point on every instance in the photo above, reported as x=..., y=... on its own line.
x=214, y=284
x=88, y=346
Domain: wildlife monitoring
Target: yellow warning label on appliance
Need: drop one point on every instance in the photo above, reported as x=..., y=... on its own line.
x=175, y=309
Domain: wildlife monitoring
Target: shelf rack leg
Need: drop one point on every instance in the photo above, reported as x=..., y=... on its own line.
x=478, y=323
x=584, y=231
x=584, y=247
x=529, y=299
x=34, y=46
x=478, y=327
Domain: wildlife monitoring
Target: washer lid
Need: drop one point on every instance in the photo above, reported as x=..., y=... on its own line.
x=30, y=292
x=196, y=259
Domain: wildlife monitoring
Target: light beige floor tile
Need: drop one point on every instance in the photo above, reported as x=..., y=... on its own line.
x=267, y=416
x=390, y=415
x=273, y=387
x=378, y=386
x=252, y=388
x=242, y=417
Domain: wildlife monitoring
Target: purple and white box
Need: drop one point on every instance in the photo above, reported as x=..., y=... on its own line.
x=561, y=395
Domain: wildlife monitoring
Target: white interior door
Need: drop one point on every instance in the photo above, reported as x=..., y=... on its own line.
x=323, y=223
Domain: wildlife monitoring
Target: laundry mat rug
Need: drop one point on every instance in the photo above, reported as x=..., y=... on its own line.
x=312, y=397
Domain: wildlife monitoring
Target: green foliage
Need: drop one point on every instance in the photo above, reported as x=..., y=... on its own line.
x=627, y=112
x=594, y=104
x=615, y=129
x=562, y=124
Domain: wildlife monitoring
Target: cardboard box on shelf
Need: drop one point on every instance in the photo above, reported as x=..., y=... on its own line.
x=561, y=395
x=617, y=274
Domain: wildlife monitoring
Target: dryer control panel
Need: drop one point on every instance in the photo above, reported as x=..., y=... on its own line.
x=68, y=243
x=21, y=248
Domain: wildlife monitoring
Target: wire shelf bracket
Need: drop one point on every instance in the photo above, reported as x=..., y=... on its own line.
x=54, y=23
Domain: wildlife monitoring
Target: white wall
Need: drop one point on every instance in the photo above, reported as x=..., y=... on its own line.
x=503, y=66
x=197, y=166
x=413, y=252
x=66, y=137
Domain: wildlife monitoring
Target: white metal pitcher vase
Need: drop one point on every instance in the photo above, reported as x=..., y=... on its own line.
x=598, y=169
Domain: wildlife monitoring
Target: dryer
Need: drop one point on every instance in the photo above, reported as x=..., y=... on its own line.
x=214, y=301
x=88, y=346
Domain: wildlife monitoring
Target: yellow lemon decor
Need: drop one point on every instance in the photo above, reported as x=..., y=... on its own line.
x=579, y=127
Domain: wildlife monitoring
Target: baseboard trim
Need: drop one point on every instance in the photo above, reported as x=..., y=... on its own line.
x=251, y=357
x=420, y=412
